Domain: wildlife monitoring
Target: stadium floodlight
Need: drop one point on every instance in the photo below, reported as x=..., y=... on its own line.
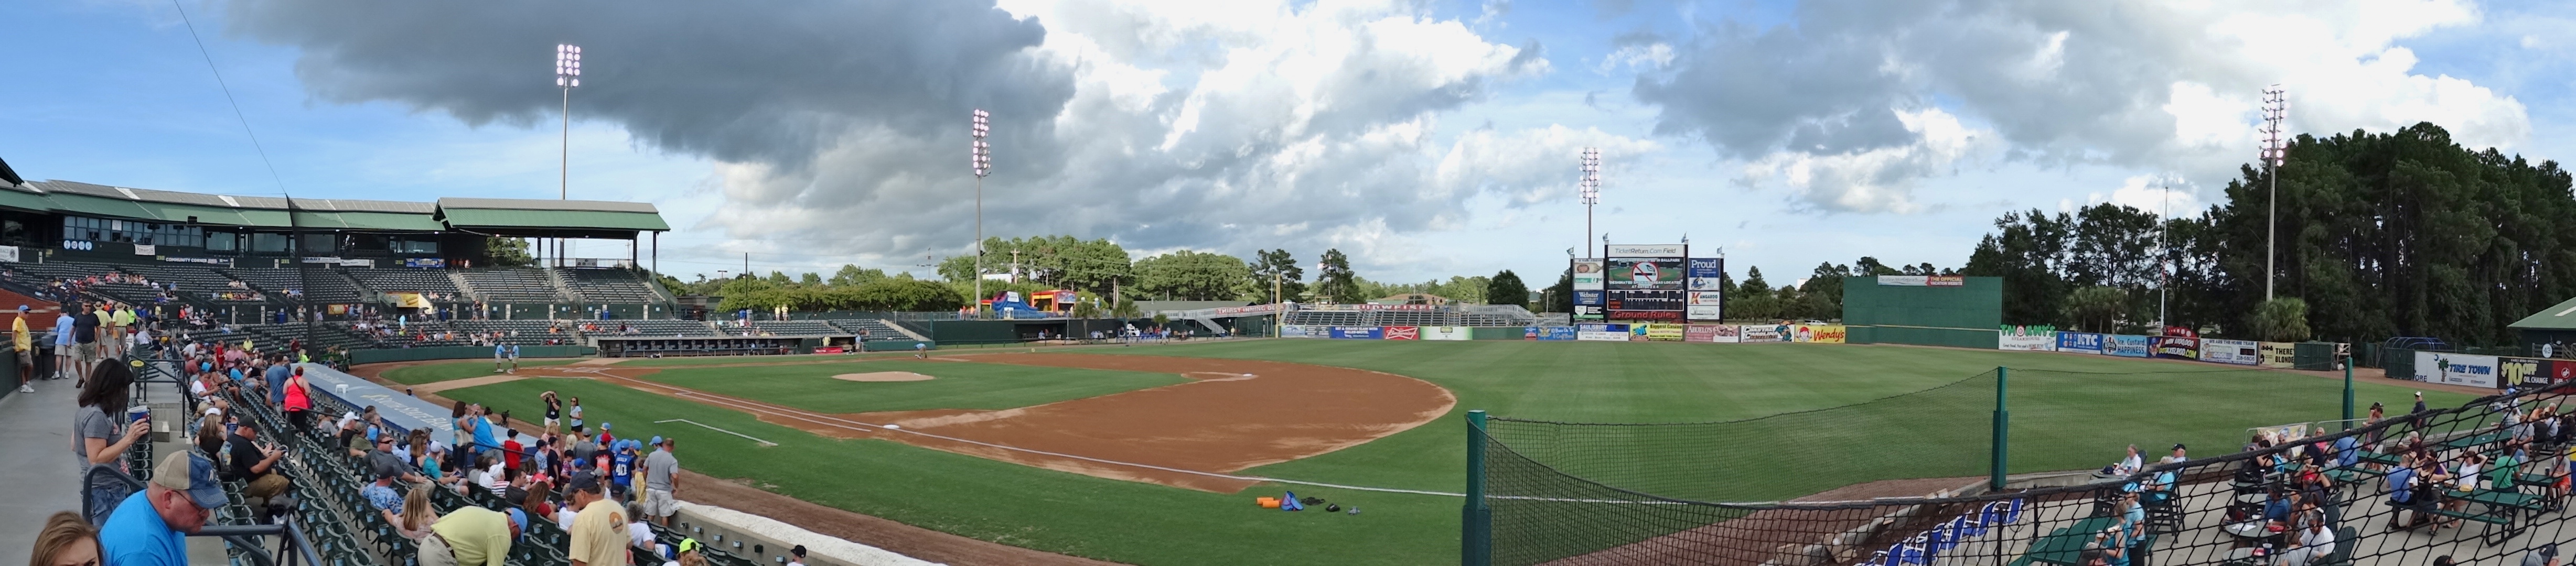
x=1590, y=186
x=2276, y=107
x=982, y=165
x=567, y=76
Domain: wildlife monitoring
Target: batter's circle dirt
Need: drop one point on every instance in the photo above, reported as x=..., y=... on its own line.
x=1233, y=415
x=882, y=376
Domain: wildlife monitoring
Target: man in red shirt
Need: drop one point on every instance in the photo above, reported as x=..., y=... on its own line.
x=510, y=448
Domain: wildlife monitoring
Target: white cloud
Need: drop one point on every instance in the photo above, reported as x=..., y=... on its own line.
x=1878, y=179
x=2149, y=193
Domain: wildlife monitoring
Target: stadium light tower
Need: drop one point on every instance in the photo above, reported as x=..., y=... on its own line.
x=567, y=75
x=1591, y=188
x=983, y=165
x=2276, y=107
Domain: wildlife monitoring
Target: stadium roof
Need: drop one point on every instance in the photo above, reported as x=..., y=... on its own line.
x=2561, y=316
x=515, y=216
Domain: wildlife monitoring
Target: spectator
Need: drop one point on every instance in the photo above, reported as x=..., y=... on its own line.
x=85, y=338
x=799, y=552
x=66, y=359
x=640, y=535
x=621, y=471
x=2546, y=555
x=662, y=481
x=575, y=413
x=607, y=440
x=554, y=410
x=484, y=442
x=382, y=495
x=510, y=448
x=94, y=437
x=150, y=528
x=535, y=499
x=256, y=464
x=299, y=401
x=463, y=438
x=596, y=540
x=416, y=517
x=2419, y=403
x=20, y=336
x=2314, y=544
x=278, y=371
x=66, y=540
x=472, y=536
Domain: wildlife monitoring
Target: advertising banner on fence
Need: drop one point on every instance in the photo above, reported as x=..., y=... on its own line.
x=1587, y=274
x=2562, y=370
x=1764, y=333
x=1819, y=333
x=1923, y=280
x=1447, y=333
x=2239, y=352
x=1601, y=332
x=2456, y=369
x=1704, y=299
x=2277, y=354
x=1300, y=331
x=2027, y=338
x=2524, y=371
x=1704, y=312
x=2084, y=342
x=1357, y=333
x=2125, y=345
x=1400, y=332
x=1717, y=333
x=1661, y=332
x=1548, y=333
x=2182, y=347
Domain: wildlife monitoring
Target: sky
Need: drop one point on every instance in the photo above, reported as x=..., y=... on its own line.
x=1424, y=139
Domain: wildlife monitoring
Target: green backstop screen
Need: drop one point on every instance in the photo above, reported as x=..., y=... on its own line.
x=1964, y=316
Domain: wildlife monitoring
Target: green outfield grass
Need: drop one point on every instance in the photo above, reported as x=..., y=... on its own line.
x=432, y=373
x=955, y=385
x=2062, y=421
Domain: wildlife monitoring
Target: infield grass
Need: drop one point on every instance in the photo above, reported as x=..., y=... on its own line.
x=2061, y=421
x=954, y=385
x=433, y=373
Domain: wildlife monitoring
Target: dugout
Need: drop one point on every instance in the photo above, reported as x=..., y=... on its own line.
x=704, y=346
x=1927, y=310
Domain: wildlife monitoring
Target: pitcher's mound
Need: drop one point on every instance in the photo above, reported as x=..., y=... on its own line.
x=882, y=376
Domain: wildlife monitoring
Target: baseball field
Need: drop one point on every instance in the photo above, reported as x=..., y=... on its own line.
x=1153, y=454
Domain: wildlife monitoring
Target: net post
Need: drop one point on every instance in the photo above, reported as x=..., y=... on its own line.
x=2003, y=420
x=2347, y=393
x=1476, y=536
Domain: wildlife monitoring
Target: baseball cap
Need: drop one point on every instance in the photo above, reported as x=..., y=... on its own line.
x=386, y=465
x=583, y=480
x=799, y=551
x=519, y=519
x=690, y=544
x=603, y=426
x=657, y=441
x=193, y=474
x=22, y=308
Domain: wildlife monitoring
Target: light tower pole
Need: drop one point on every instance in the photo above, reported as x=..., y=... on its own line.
x=567, y=75
x=2276, y=107
x=983, y=164
x=1591, y=187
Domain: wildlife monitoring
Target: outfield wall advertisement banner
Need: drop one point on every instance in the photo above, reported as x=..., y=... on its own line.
x=1300, y=331
x=1923, y=280
x=2277, y=354
x=1704, y=312
x=1588, y=289
x=2239, y=352
x=1658, y=332
x=1713, y=333
x=2562, y=370
x=1447, y=333
x=2125, y=345
x=2456, y=369
x=1765, y=333
x=1400, y=332
x=2083, y=342
x=2182, y=347
x=2511, y=371
x=2026, y=338
x=1601, y=332
x=1357, y=333
x=1705, y=301
x=1819, y=333
x=1548, y=333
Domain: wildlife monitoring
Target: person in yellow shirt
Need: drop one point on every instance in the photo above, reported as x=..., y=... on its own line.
x=125, y=329
x=26, y=350
x=472, y=536
x=109, y=334
x=599, y=529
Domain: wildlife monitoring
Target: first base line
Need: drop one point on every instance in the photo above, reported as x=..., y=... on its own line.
x=762, y=442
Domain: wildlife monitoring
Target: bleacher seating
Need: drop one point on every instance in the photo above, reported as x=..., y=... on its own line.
x=329, y=285
x=409, y=281
x=520, y=332
x=513, y=285
x=670, y=328
x=871, y=329
x=798, y=328
x=609, y=285
x=197, y=282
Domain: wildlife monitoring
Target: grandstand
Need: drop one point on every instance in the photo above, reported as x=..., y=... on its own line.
x=1407, y=315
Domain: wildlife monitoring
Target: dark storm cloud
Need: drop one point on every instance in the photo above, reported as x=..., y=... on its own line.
x=717, y=79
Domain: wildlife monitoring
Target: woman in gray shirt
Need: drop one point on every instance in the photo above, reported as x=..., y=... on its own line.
x=94, y=435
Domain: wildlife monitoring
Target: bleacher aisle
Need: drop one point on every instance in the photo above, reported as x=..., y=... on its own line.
x=36, y=456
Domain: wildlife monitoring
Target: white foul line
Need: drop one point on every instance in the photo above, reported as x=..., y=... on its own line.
x=762, y=442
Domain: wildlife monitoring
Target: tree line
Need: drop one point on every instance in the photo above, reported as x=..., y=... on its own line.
x=1098, y=269
x=2405, y=233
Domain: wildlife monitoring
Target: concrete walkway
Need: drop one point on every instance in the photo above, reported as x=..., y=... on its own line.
x=36, y=456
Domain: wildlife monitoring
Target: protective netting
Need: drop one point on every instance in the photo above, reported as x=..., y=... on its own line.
x=1572, y=493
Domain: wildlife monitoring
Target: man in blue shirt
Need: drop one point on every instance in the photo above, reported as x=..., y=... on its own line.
x=151, y=527
x=2401, y=490
x=63, y=344
x=278, y=371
